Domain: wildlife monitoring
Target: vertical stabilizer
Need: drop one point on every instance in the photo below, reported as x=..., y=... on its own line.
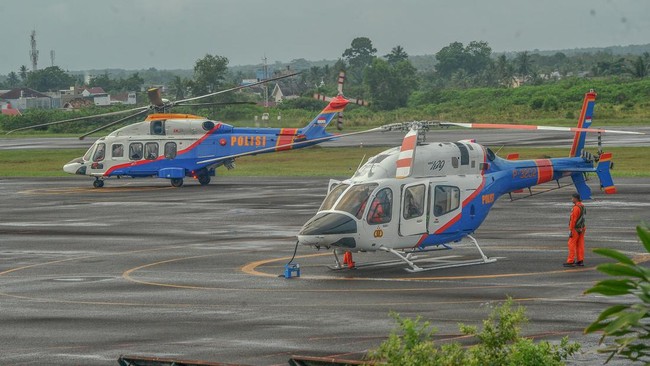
x=583, y=122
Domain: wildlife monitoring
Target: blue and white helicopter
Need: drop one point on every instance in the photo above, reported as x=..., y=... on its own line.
x=421, y=196
x=176, y=146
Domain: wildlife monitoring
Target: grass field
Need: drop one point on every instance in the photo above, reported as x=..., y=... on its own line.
x=314, y=161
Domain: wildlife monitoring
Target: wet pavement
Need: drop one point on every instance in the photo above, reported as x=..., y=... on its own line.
x=141, y=268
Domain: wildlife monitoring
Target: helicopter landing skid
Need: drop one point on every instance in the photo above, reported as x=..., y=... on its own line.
x=341, y=266
x=445, y=264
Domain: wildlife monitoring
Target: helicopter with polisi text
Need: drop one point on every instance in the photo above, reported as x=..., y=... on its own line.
x=175, y=146
x=427, y=196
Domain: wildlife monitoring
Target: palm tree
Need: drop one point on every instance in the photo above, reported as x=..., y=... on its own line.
x=12, y=79
x=505, y=71
x=524, y=64
x=178, y=86
x=23, y=73
x=639, y=68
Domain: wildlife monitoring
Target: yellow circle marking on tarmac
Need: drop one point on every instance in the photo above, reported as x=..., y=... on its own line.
x=251, y=269
x=128, y=275
x=74, y=190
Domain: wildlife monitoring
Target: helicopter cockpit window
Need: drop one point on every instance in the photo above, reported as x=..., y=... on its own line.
x=490, y=154
x=334, y=195
x=117, y=151
x=355, y=199
x=208, y=125
x=88, y=153
x=170, y=150
x=414, y=201
x=381, y=207
x=446, y=199
x=151, y=150
x=158, y=127
x=135, y=151
x=100, y=152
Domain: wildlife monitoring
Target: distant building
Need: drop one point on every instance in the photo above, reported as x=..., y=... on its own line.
x=26, y=98
x=124, y=98
x=98, y=95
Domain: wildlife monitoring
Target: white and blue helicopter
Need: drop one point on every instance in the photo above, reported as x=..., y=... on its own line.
x=175, y=146
x=425, y=196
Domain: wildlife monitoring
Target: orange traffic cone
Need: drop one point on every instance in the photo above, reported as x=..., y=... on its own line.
x=347, y=259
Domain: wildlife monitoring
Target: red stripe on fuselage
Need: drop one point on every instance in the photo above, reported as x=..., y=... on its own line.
x=544, y=170
x=286, y=137
x=143, y=162
x=465, y=202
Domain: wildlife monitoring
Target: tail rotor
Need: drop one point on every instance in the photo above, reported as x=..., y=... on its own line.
x=341, y=82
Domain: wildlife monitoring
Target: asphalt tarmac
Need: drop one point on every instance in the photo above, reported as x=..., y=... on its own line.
x=141, y=268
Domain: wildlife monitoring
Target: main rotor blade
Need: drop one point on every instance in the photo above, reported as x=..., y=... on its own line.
x=529, y=127
x=209, y=104
x=235, y=88
x=79, y=119
x=294, y=144
x=112, y=124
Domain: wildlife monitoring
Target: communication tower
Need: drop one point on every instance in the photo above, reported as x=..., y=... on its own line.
x=33, y=54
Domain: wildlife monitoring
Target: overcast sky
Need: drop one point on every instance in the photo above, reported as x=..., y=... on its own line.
x=170, y=34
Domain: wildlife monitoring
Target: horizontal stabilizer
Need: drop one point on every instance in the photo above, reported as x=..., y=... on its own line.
x=604, y=173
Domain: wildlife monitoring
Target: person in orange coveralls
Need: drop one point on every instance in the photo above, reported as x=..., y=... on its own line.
x=577, y=229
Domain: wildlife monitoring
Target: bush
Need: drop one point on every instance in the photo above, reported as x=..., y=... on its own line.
x=628, y=325
x=500, y=343
x=537, y=103
x=551, y=103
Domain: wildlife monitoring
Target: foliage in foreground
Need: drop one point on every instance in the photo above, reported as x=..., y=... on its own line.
x=499, y=343
x=627, y=325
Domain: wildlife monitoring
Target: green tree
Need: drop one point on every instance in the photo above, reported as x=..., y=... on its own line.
x=50, y=78
x=504, y=70
x=12, y=79
x=23, y=73
x=359, y=56
x=390, y=85
x=524, y=65
x=639, y=67
x=397, y=54
x=627, y=323
x=450, y=59
x=472, y=59
x=179, y=87
x=132, y=83
x=209, y=74
x=104, y=81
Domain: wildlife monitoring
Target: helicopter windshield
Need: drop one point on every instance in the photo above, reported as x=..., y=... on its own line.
x=355, y=198
x=89, y=153
x=334, y=195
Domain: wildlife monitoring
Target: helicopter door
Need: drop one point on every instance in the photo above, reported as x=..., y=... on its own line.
x=413, y=209
x=446, y=205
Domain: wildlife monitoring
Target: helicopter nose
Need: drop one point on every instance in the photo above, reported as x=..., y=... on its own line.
x=329, y=229
x=75, y=167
